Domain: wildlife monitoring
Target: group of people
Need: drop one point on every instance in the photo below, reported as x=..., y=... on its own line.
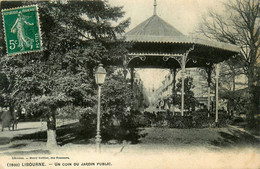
x=9, y=119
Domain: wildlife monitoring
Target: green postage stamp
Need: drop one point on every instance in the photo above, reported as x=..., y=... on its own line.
x=22, y=30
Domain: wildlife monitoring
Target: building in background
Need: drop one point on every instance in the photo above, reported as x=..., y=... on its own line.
x=142, y=100
x=164, y=92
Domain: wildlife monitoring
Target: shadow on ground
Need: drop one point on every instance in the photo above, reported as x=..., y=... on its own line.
x=227, y=137
x=14, y=146
x=74, y=133
x=237, y=138
x=65, y=134
x=5, y=140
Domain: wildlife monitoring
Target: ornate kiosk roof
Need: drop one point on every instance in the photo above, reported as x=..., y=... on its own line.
x=152, y=29
x=154, y=38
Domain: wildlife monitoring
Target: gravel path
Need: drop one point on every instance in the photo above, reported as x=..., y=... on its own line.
x=159, y=148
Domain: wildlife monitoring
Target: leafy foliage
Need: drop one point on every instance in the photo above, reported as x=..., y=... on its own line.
x=189, y=99
x=115, y=85
x=117, y=121
x=76, y=37
x=237, y=101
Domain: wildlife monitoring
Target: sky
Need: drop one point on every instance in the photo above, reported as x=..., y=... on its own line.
x=184, y=15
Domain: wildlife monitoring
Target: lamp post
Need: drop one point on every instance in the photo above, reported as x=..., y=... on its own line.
x=182, y=91
x=100, y=76
x=217, y=78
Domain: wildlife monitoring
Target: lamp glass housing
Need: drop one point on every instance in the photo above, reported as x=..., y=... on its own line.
x=100, y=75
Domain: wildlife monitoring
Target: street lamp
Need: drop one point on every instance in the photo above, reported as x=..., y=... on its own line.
x=100, y=76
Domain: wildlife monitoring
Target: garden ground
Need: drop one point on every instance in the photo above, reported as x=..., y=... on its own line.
x=176, y=147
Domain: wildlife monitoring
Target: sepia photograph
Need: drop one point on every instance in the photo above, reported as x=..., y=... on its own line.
x=130, y=84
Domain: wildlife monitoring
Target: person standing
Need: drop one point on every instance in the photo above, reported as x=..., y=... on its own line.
x=15, y=118
x=6, y=119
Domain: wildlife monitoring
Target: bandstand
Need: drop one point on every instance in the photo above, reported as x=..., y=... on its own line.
x=157, y=44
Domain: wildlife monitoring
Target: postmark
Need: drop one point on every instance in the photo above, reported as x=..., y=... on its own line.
x=22, y=30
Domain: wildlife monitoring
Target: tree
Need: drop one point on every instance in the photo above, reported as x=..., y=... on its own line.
x=118, y=122
x=189, y=99
x=76, y=37
x=116, y=106
x=240, y=25
x=230, y=70
x=123, y=95
x=4, y=83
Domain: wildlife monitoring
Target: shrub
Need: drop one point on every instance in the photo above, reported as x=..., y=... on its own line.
x=88, y=118
x=236, y=120
x=143, y=121
x=126, y=127
x=180, y=122
x=223, y=119
x=201, y=119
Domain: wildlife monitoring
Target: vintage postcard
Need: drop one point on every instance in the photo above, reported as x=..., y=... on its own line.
x=130, y=84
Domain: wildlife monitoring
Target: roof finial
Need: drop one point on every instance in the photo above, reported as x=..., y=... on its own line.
x=154, y=9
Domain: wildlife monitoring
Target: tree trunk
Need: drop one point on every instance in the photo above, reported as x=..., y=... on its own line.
x=251, y=89
x=51, y=130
